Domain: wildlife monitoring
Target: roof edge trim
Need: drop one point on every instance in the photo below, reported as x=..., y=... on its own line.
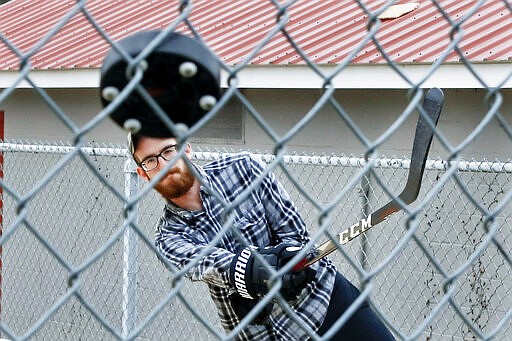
x=369, y=76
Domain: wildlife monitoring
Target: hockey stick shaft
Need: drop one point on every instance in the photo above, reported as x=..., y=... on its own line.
x=432, y=106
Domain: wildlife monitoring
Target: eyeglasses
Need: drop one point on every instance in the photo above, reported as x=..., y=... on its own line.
x=151, y=162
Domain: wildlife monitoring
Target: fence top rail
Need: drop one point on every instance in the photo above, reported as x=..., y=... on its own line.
x=60, y=149
x=326, y=160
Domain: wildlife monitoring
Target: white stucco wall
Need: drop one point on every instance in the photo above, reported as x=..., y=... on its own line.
x=28, y=117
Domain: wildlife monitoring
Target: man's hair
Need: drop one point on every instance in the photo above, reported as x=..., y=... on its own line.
x=133, y=142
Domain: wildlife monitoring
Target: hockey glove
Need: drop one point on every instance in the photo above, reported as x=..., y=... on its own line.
x=242, y=306
x=250, y=277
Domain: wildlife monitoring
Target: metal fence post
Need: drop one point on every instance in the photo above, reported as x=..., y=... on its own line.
x=130, y=254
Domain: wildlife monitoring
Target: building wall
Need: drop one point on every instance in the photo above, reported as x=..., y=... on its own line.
x=28, y=117
x=78, y=215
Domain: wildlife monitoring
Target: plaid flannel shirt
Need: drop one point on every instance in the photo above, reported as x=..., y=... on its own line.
x=266, y=216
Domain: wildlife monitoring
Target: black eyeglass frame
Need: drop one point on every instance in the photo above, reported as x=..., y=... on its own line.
x=174, y=149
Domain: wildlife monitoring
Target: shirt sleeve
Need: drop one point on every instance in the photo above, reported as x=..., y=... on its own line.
x=283, y=218
x=201, y=261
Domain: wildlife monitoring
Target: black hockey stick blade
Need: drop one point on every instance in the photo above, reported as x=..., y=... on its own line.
x=432, y=106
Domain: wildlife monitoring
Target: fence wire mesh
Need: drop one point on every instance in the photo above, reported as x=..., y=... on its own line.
x=77, y=254
x=67, y=224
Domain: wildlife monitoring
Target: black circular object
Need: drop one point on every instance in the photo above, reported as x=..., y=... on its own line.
x=175, y=86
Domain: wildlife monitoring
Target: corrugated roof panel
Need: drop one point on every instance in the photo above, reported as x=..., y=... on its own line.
x=29, y=28
x=240, y=31
x=317, y=34
x=399, y=37
x=427, y=36
x=486, y=35
x=326, y=31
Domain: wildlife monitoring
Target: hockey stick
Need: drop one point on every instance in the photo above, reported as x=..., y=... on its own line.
x=432, y=104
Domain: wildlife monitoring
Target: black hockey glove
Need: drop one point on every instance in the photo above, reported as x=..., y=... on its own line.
x=250, y=277
x=242, y=306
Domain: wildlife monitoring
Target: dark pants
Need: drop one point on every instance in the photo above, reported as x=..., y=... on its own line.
x=364, y=323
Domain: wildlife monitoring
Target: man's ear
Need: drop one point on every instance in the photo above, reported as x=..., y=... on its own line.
x=142, y=173
x=189, y=151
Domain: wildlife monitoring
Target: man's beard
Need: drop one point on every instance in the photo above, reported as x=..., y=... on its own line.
x=181, y=182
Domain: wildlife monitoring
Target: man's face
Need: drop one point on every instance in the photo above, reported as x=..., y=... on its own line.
x=178, y=179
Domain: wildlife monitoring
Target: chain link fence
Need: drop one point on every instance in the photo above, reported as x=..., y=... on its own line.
x=71, y=269
x=77, y=255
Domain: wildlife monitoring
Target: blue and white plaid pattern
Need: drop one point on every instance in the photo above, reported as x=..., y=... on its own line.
x=266, y=216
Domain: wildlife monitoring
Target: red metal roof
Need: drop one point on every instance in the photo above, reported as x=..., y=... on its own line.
x=327, y=31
